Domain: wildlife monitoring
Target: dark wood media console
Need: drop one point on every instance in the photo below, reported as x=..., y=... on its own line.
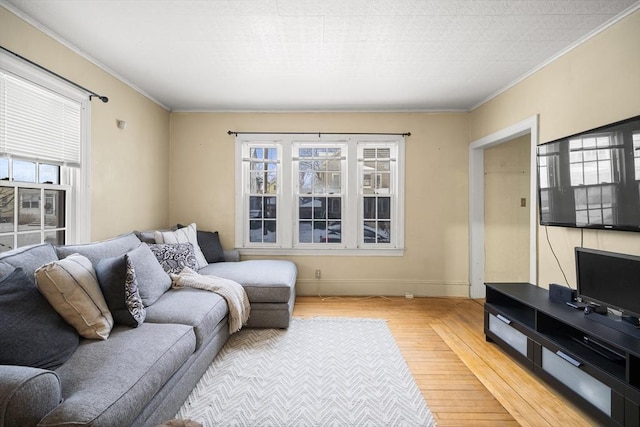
x=593, y=363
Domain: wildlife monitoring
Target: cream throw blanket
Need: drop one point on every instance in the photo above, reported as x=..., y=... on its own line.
x=231, y=291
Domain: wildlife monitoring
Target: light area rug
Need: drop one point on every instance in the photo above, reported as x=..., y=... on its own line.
x=319, y=372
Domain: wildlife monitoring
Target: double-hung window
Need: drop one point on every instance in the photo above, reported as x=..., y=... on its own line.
x=320, y=194
x=43, y=158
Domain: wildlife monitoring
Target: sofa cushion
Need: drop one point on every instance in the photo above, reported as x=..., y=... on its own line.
x=119, y=285
x=187, y=234
x=29, y=258
x=27, y=395
x=104, y=249
x=153, y=281
x=174, y=257
x=71, y=287
x=32, y=333
x=263, y=280
x=107, y=383
x=210, y=245
x=187, y=306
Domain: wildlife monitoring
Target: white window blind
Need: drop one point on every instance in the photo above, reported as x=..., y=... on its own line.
x=38, y=124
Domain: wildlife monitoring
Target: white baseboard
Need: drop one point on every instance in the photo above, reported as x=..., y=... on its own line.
x=425, y=288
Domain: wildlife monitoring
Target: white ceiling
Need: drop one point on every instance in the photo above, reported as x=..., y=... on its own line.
x=316, y=55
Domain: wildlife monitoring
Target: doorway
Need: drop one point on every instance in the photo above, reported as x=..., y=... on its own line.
x=477, y=201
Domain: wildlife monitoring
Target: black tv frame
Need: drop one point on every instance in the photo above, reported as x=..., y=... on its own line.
x=627, y=189
x=612, y=277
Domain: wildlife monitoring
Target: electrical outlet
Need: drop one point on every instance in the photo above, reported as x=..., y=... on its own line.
x=318, y=274
x=408, y=295
x=523, y=202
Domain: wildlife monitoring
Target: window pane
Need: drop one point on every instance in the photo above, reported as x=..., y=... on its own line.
x=7, y=196
x=271, y=178
x=29, y=210
x=305, y=208
x=256, y=183
x=384, y=207
x=580, y=195
x=28, y=239
x=319, y=207
x=335, y=183
x=24, y=171
x=334, y=230
x=255, y=207
x=376, y=231
x=604, y=172
x=369, y=209
x=54, y=237
x=269, y=236
x=269, y=207
x=319, y=231
x=319, y=186
x=255, y=231
x=49, y=174
x=382, y=182
x=305, y=232
x=54, y=208
x=306, y=180
x=256, y=153
x=6, y=243
x=4, y=169
x=384, y=231
x=334, y=208
x=595, y=216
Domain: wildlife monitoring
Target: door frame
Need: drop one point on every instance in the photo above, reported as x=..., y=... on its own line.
x=476, y=201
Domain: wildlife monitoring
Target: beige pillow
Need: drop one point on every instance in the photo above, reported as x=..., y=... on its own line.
x=188, y=234
x=71, y=287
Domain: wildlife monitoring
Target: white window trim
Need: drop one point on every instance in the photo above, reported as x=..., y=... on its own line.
x=286, y=244
x=78, y=209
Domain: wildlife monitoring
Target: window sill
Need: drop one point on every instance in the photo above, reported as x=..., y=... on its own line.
x=382, y=252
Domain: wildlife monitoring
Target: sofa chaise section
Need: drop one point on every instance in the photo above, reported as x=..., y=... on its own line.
x=270, y=287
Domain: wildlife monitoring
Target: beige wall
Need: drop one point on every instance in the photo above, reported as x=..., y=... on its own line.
x=436, y=257
x=506, y=223
x=592, y=85
x=129, y=168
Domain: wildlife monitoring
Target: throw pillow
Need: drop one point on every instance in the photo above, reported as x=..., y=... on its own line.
x=174, y=257
x=187, y=234
x=153, y=281
x=209, y=243
x=32, y=333
x=117, y=279
x=71, y=287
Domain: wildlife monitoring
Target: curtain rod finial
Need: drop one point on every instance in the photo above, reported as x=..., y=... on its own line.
x=101, y=98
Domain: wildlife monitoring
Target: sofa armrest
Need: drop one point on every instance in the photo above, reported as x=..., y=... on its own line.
x=27, y=394
x=232, y=255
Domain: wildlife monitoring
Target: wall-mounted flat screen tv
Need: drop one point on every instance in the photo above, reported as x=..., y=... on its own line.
x=592, y=179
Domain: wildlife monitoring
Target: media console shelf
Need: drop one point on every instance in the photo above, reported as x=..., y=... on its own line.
x=595, y=365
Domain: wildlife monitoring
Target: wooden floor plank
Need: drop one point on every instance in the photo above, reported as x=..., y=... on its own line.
x=465, y=380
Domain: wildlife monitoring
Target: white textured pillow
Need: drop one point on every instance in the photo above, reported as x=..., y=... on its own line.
x=71, y=287
x=187, y=234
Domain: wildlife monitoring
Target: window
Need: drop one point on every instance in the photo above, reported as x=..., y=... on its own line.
x=596, y=166
x=43, y=158
x=318, y=194
x=636, y=154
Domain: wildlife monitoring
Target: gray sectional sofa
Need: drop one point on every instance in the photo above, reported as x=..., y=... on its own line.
x=138, y=376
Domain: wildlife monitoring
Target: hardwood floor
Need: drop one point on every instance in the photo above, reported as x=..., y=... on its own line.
x=465, y=380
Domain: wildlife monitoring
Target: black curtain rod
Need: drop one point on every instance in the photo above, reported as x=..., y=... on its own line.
x=236, y=133
x=93, y=94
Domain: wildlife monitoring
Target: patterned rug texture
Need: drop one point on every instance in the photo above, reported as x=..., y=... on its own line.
x=319, y=372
